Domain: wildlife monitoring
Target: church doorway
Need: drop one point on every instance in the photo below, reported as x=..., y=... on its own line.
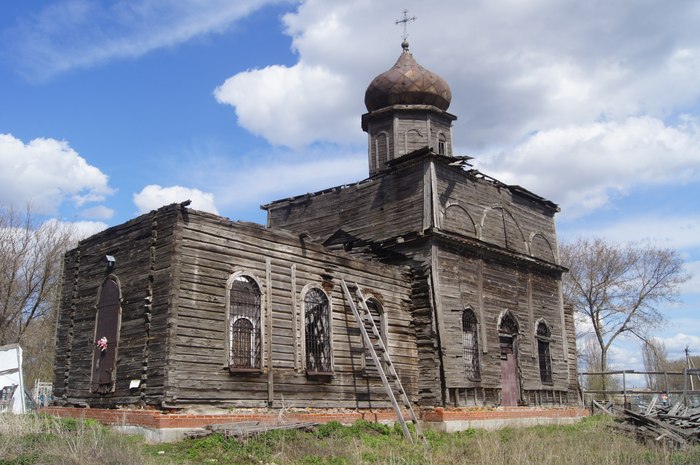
x=510, y=378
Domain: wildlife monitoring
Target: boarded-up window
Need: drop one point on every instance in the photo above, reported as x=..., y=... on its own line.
x=470, y=342
x=544, y=335
x=378, y=316
x=244, y=332
x=317, y=332
x=381, y=150
x=107, y=325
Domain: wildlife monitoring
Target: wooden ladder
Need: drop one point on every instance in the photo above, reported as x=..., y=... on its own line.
x=384, y=364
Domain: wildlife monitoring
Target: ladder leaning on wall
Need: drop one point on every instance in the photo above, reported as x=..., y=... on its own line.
x=363, y=315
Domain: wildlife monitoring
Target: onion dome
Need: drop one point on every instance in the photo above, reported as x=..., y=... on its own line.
x=407, y=83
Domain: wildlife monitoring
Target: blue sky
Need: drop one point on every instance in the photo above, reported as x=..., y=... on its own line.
x=109, y=109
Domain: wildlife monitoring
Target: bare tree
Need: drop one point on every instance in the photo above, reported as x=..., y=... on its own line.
x=589, y=355
x=616, y=290
x=31, y=254
x=655, y=359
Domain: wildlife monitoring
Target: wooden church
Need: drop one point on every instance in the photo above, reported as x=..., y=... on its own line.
x=460, y=273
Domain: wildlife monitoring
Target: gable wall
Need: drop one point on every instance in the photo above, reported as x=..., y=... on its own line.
x=143, y=249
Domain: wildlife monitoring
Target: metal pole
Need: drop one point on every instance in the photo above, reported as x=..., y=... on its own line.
x=624, y=390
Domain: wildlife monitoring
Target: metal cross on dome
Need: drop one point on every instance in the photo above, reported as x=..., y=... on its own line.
x=405, y=20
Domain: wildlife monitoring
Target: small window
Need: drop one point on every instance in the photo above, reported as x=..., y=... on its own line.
x=543, y=339
x=442, y=144
x=317, y=332
x=470, y=342
x=245, y=344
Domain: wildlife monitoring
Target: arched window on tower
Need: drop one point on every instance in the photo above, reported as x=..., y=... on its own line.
x=470, y=343
x=245, y=311
x=317, y=332
x=544, y=336
x=381, y=150
x=442, y=144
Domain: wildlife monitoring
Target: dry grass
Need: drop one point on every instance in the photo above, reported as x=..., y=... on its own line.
x=32, y=439
x=28, y=440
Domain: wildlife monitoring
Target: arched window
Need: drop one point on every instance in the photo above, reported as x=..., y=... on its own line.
x=470, y=342
x=107, y=327
x=245, y=344
x=379, y=318
x=317, y=332
x=508, y=325
x=442, y=144
x=544, y=336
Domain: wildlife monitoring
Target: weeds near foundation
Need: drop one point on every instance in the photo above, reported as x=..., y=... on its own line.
x=34, y=440
x=37, y=439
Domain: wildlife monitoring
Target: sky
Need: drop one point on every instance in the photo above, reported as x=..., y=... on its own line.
x=111, y=109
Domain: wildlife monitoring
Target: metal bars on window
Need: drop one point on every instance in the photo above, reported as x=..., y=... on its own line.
x=245, y=321
x=470, y=343
x=317, y=332
x=543, y=338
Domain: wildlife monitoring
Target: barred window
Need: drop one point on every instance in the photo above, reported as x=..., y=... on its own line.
x=509, y=325
x=470, y=343
x=317, y=332
x=245, y=321
x=544, y=336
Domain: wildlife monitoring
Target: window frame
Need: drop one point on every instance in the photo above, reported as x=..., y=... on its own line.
x=231, y=319
x=112, y=346
x=368, y=364
x=309, y=288
x=473, y=374
x=544, y=352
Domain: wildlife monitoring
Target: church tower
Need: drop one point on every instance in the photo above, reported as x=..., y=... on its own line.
x=406, y=110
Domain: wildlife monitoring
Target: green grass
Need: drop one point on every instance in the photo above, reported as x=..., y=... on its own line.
x=33, y=440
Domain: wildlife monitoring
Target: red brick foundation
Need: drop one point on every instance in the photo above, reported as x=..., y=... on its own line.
x=160, y=420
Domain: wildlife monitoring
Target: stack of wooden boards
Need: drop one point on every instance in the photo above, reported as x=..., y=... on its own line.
x=677, y=424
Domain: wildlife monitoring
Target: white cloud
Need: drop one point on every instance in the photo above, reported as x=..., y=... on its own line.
x=280, y=103
x=69, y=34
x=153, y=196
x=676, y=344
x=45, y=173
x=664, y=230
x=580, y=167
x=99, y=212
x=85, y=229
x=577, y=102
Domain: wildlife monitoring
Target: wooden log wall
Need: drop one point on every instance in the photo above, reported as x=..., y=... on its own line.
x=143, y=248
x=379, y=208
x=477, y=207
x=211, y=250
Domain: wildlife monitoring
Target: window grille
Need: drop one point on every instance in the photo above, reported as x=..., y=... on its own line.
x=244, y=331
x=470, y=342
x=317, y=332
x=508, y=325
x=543, y=338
